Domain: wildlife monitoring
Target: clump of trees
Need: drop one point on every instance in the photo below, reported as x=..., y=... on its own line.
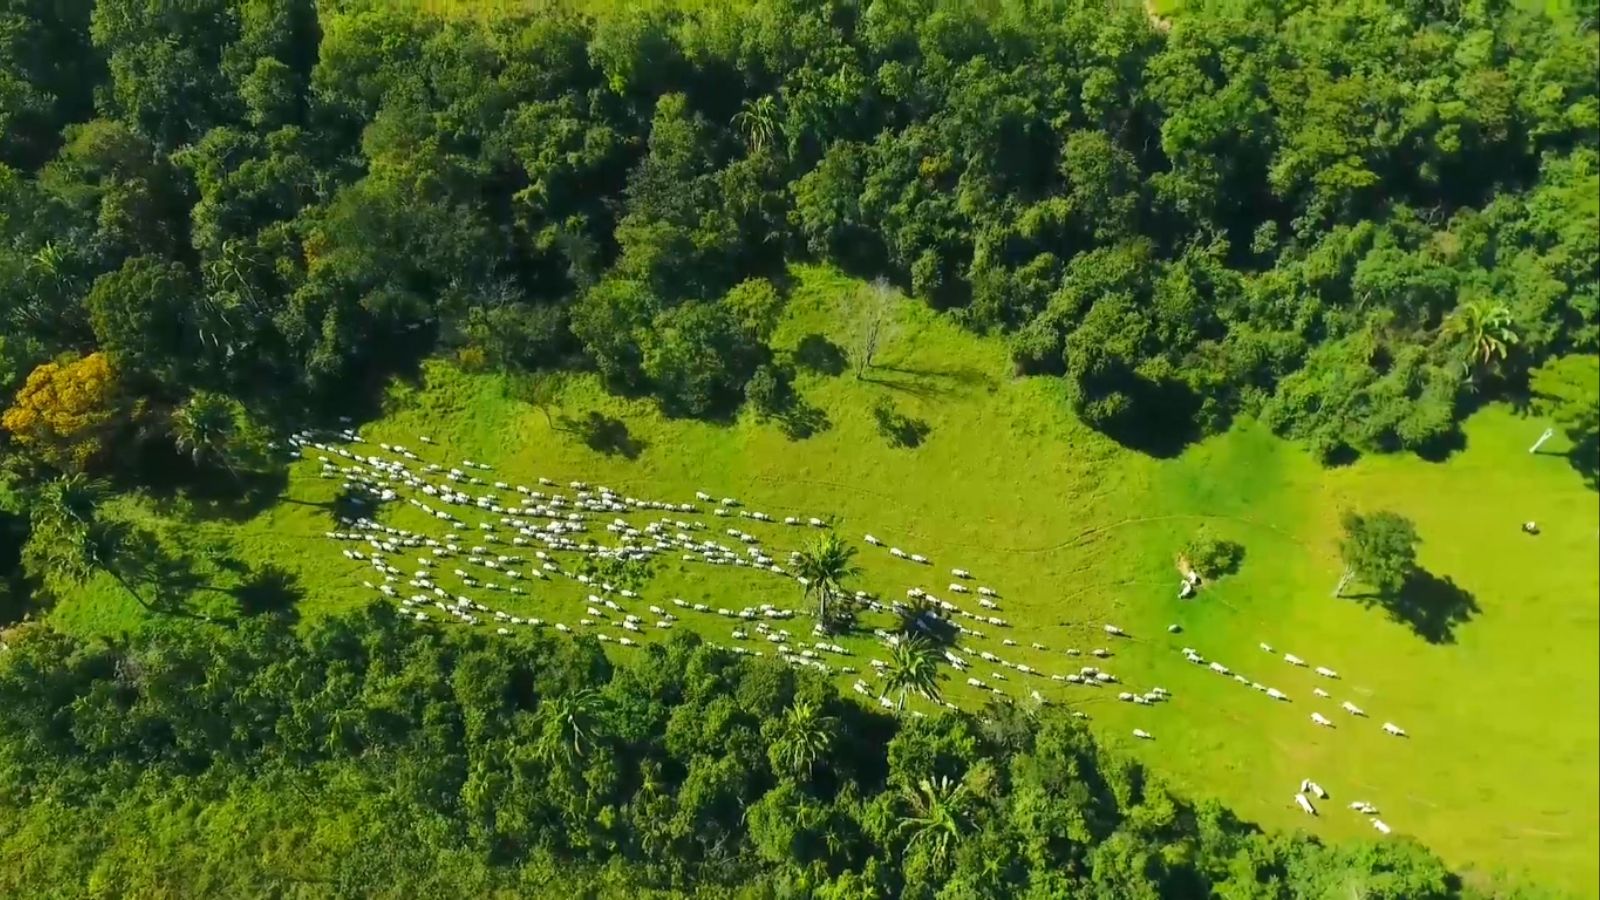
x=367, y=754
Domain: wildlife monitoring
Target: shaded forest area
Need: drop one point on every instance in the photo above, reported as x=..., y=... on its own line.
x=369, y=756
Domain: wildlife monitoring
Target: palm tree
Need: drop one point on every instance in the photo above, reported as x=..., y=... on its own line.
x=758, y=120
x=568, y=724
x=803, y=738
x=1487, y=329
x=940, y=812
x=913, y=667
x=824, y=564
x=69, y=501
x=205, y=428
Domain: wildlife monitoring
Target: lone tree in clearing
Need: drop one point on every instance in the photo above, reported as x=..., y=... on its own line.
x=1380, y=549
x=874, y=323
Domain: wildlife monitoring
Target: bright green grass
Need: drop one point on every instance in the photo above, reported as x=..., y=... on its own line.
x=1500, y=771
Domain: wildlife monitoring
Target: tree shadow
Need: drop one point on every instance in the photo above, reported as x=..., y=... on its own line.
x=1429, y=605
x=1585, y=456
x=802, y=420
x=604, y=434
x=899, y=429
x=270, y=590
x=966, y=376
x=815, y=353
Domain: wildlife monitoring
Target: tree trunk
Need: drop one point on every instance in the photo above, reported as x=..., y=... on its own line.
x=1344, y=580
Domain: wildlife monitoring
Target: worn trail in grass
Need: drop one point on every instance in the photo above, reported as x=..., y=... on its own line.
x=1499, y=697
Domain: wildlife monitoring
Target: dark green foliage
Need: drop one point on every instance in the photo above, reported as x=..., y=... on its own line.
x=370, y=755
x=899, y=429
x=1380, y=549
x=1211, y=556
x=1354, y=220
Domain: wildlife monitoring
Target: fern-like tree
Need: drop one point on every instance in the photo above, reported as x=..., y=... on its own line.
x=825, y=563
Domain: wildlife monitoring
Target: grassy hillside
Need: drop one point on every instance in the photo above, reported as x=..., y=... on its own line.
x=1495, y=676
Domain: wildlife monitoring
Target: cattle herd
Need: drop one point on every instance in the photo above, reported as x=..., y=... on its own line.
x=487, y=542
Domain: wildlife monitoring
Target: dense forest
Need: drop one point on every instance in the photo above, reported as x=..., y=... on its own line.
x=367, y=756
x=1352, y=219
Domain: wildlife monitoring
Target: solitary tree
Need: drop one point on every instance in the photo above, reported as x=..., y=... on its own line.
x=825, y=563
x=1380, y=549
x=874, y=323
x=913, y=668
x=802, y=738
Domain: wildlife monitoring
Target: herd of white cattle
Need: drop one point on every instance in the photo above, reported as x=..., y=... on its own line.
x=523, y=533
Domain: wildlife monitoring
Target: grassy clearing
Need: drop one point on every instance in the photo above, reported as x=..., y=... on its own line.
x=1501, y=769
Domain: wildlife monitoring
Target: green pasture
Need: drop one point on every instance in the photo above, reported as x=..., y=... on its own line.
x=1496, y=680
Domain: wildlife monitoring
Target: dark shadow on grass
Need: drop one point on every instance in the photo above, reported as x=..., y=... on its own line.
x=604, y=434
x=1429, y=605
x=961, y=375
x=802, y=420
x=816, y=353
x=270, y=591
x=899, y=429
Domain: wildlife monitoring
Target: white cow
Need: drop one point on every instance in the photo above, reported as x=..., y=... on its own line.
x=1322, y=720
x=1394, y=729
x=1142, y=735
x=1303, y=803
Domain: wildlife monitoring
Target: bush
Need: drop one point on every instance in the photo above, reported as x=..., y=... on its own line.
x=1211, y=556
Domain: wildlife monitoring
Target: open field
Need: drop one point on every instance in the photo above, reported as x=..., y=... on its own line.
x=1500, y=771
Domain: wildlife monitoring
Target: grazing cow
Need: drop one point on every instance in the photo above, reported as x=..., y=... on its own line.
x=872, y=540
x=1319, y=692
x=1394, y=729
x=1381, y=826
x=1352, y=709
x=1326, y=672
x=1303, y=803
x=1322, y=720
x=1142, y=735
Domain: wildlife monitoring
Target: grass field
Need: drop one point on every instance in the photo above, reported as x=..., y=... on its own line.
x=1500, y=771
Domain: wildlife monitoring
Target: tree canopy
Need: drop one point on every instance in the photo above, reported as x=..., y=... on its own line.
x=1354, y=220
x=367, y=754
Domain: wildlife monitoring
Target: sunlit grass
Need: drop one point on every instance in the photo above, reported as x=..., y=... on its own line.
x=1074, y=531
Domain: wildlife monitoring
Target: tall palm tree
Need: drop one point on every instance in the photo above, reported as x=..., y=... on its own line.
x=205, y=428
x=803, y=738
x=568, y=724
x=825, y=563
x=758, y=120
x=913, y=668
x=940, y=812
x=1488, y=330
